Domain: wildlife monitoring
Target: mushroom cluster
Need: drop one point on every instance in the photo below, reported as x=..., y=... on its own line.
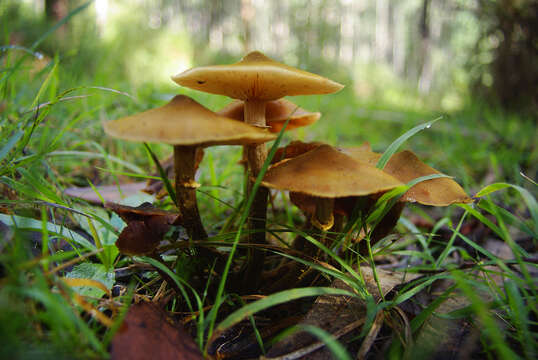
x=325, y=182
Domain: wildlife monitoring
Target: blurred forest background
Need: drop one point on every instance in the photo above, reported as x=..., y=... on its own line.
x=440, y=51
x=402, y=61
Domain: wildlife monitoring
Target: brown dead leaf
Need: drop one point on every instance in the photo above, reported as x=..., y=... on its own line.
x=146, y=227
x=147, y=333
x=110, y=193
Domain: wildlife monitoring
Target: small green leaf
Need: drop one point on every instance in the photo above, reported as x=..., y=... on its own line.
x=95, y=272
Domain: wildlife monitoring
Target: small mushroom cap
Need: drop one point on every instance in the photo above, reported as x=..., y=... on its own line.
x=185, y=122
x=406, y=166
x=276, y=114
x=255, y=77
x=327, y=172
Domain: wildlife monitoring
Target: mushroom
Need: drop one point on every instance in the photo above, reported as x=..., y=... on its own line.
x=325, y=173
x=256, y=79
x=276, y=114
x=186, y=125
x=404, y=166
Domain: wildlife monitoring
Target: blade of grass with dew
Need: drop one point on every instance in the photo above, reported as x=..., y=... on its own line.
x=399, y=141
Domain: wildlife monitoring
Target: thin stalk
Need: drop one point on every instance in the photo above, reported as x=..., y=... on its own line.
x=256, y=155
x=323, y=219
x=184, y=166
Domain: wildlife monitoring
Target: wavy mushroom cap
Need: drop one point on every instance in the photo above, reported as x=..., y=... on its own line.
x=183, y=121
x=276, y=114
x=256, y=77
x=327, y=172
x=406, y=166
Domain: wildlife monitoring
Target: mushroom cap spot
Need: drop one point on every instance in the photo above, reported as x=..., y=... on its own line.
x=276, y=114
x=406, y=166
x=327, y=172
x=185, y=122
x=256, y=77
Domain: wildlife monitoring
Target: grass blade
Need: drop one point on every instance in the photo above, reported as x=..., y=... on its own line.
x=399, y=141
x=276, y=299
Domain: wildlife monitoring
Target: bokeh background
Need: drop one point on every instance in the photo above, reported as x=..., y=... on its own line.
x=475, y=62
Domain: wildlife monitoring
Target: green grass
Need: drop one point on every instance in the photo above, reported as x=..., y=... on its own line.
x=44, y=149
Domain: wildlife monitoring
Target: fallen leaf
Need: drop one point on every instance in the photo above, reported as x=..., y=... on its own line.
x=147, y=333
x=109, y=193
x=93, y=272
x=146, y=227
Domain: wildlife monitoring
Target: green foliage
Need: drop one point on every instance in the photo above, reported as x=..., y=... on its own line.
x=51, y=137
x=95, y=272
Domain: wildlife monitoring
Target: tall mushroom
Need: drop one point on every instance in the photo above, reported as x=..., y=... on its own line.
x=256, y=79
x=186, y=125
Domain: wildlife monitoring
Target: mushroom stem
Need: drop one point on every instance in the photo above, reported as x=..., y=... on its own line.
x=256, y=155
x=184, y=165
x=323, y=219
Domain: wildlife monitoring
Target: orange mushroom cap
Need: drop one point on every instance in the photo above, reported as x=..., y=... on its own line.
x=328, y=173
x=255, y=77
x=183, y=121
